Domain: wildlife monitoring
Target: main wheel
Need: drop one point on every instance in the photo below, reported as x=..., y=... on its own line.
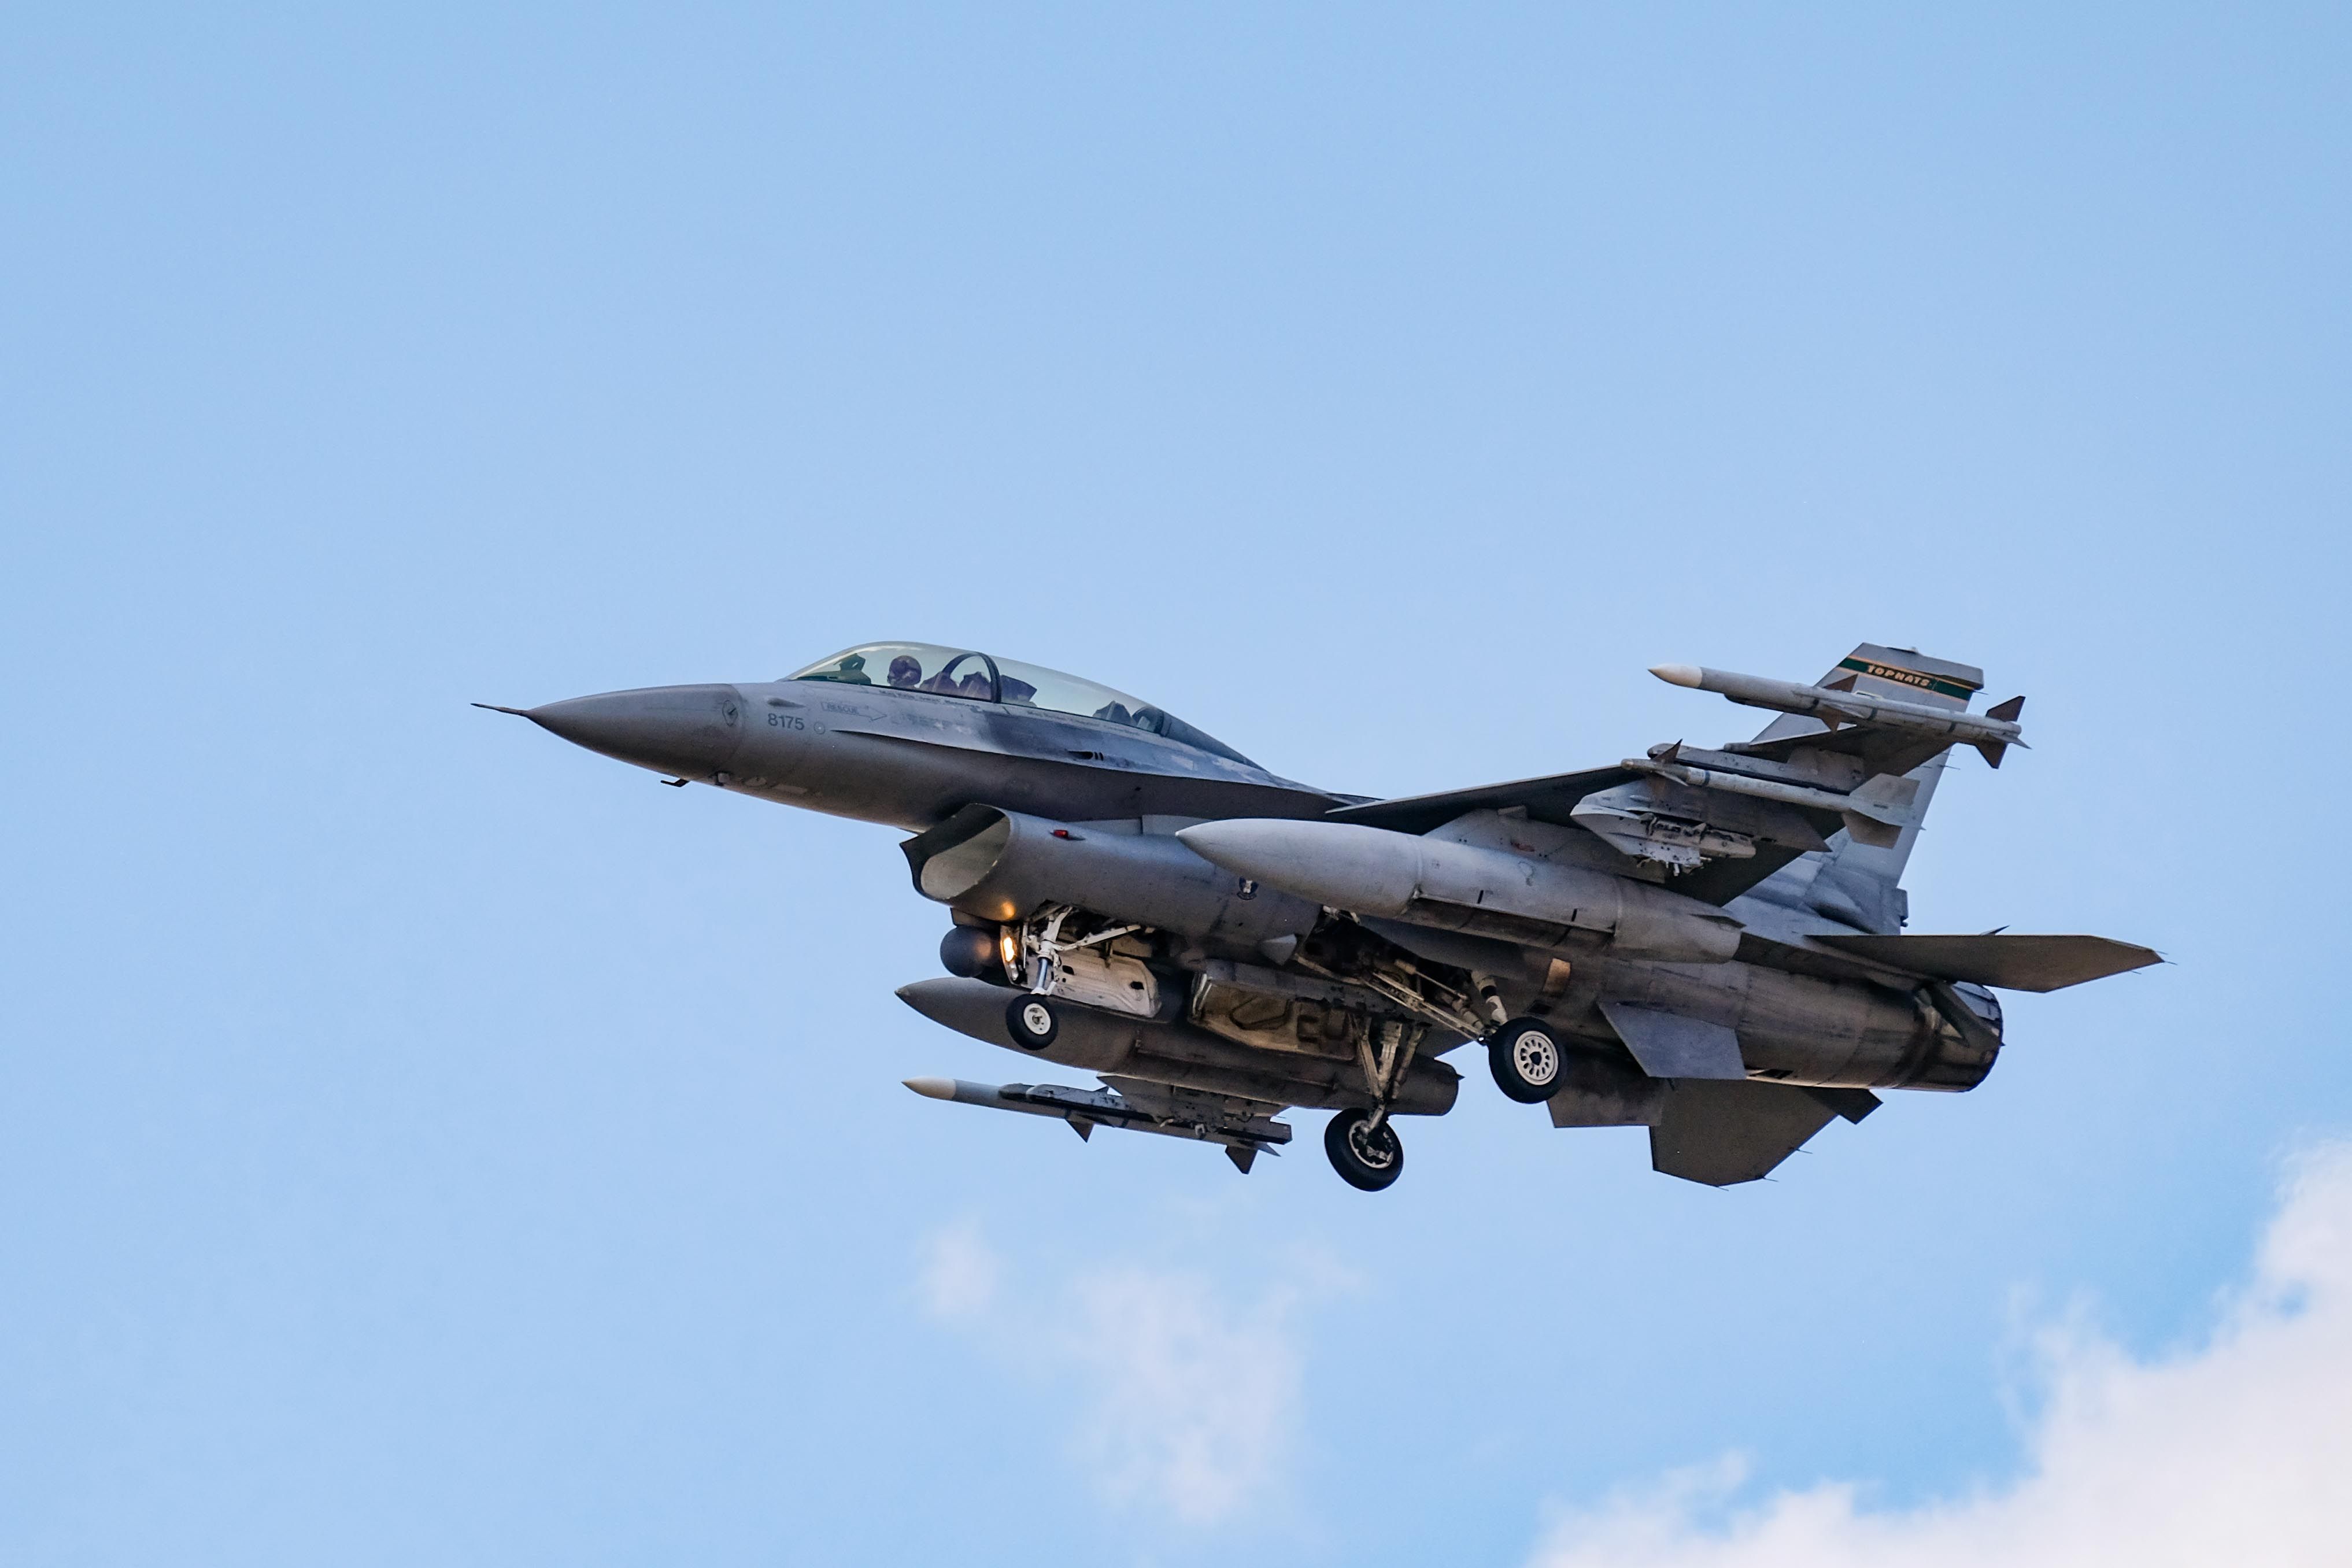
x=1032, y=1021
x=1367, y=1158
x=1526, y=1060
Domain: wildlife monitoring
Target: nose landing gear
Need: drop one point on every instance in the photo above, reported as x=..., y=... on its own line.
x=1032, y=1022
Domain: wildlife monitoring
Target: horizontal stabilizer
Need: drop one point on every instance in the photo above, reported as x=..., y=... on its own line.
x=2012, y=963
x=1668, y=1045
x=1723, y=1134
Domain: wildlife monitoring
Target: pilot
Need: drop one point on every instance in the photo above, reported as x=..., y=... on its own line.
x=904, y=671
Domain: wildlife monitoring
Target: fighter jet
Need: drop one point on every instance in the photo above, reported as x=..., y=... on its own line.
x=1710, y=943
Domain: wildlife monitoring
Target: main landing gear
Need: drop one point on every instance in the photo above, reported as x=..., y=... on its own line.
x=1364, y=1149
x=1363, y=1145
x=1526, y=1060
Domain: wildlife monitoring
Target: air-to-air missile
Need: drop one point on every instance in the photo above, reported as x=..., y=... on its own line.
x=1143, y=1108
x=1466, y=887
x=1989, y=731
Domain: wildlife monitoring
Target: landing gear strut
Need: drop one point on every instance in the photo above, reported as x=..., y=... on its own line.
x=1364, y=1149
x=1363, y=1145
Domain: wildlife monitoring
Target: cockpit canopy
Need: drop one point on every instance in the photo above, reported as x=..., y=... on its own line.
x=976, y=677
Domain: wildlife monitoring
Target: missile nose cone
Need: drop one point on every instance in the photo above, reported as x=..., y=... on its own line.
x=686, y=730
x=1676, y=674
x=932, y=1088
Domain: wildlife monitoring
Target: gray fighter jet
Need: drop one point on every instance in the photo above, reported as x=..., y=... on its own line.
x=1708, y=943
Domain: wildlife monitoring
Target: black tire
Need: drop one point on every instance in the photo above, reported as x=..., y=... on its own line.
x=1367, y=1161
x=1528, y=1060
x=1033, y=1023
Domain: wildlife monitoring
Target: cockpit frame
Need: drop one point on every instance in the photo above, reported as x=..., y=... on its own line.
x=935, y=669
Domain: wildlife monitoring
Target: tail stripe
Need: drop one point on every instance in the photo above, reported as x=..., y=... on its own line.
x=1941, y=685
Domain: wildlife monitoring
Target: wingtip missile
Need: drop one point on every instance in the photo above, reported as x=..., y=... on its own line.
x=932, y=1088
x=1838, y=704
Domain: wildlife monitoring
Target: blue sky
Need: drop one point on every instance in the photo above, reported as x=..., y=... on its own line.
x=423, y=1141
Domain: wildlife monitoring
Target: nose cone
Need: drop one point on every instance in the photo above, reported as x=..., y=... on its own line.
x=684, y=730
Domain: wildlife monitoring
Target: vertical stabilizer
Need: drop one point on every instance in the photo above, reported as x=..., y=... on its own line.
x=1858, y=883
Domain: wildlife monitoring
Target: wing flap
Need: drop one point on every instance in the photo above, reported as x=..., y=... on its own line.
x=2017, y=962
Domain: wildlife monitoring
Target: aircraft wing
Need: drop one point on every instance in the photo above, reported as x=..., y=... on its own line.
x=2013, y=962
x=1547, y=799
x=1555, y=797
x=1877, y=747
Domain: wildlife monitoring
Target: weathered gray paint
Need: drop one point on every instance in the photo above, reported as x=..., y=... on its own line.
x=1547, y=895
x=1670, y=1044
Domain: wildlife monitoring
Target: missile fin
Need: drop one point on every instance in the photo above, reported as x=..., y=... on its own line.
x=1871, y=831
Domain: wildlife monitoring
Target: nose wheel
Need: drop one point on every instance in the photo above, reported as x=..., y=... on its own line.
x=1031, y=1021
x=1526, y=1060
x=1368, y=1154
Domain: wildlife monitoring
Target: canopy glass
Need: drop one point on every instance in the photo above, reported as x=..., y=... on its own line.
x=978, y=678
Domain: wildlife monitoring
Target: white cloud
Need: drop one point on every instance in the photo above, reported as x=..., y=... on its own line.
x=1189, y=1394
x=960, y=1272
x=2237, y=1451
x=1204, y=1395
